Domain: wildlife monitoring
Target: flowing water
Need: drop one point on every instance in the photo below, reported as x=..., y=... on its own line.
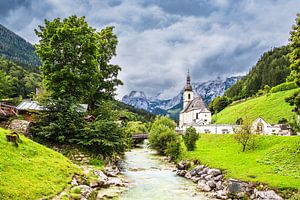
x=152, y=178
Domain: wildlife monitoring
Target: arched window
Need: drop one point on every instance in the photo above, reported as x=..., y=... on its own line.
x=189, y=96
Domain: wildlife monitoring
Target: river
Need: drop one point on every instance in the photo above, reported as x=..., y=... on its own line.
x=152, y=178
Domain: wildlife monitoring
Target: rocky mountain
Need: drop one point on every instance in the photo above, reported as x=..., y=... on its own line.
x=207, y=90
x=15, y=48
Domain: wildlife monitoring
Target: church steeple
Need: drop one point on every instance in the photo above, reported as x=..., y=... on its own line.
x=188, y=86
x=188, y=91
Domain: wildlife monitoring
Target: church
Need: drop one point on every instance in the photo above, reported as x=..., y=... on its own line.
x=194, y=112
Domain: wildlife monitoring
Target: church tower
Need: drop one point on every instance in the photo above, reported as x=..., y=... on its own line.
x=188, y=92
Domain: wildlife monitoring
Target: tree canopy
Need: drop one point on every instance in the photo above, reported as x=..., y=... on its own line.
x=295, y=62
x=76, y=59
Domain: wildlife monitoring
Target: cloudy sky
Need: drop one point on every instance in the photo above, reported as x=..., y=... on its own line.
x=159, y=40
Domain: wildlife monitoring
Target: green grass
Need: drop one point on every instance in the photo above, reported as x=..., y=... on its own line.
x=275, y=160
x=32, y=171
x=271, y=108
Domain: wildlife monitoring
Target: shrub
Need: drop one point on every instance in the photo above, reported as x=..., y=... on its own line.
x=283, y=87
x=161, y=134
x=190, y=138
x=173, y=149
x=244, y=134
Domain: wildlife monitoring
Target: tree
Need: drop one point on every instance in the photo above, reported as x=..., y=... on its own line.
x=75, y=59
x=161, y=134
x=5, y=85
x=244, y=134
x=295, y=63
x=219, y=103
x=173, y=149
x=190, y=138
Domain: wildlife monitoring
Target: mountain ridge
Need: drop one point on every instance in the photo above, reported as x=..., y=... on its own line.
x=207, y=90
x=17, y=49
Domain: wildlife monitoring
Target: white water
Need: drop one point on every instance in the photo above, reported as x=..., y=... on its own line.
x=150, y=178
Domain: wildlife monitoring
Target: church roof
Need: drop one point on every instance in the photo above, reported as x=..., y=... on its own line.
x=196, y=104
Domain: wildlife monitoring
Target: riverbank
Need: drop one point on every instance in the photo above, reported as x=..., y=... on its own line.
x=275, y=161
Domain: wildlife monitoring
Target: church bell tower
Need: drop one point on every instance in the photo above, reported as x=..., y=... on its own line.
x=188, y=91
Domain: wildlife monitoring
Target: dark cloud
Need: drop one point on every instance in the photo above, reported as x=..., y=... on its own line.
x=160, y=40
x=7, y=6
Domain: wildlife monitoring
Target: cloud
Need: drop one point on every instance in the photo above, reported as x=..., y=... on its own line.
x=160, y=40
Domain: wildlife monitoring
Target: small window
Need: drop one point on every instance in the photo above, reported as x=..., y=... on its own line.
x=197, y=115
x=205, y=120
x=189, y=96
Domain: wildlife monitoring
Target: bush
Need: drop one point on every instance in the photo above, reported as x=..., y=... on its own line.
x=190, y=138
x=173, y=149
x=161, y=134
x=283, y=87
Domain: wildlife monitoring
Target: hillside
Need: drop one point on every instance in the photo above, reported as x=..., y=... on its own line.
x=19, y=81
x=17, y=49
x=32, y=171
x=275, y=160
x=271, y=107
x=271, y=69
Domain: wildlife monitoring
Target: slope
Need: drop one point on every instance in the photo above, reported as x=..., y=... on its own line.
x=274, y=161
x=271, y=107
x=271, y=69
x=32, y=171
x=17, y=49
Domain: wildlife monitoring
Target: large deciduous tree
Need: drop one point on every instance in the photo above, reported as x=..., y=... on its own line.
x=75, y=69
x=76, y=59
x=295, y=63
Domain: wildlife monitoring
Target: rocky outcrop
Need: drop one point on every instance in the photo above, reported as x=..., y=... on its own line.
x=95, y=183
x=20, y=126
x=212, y=180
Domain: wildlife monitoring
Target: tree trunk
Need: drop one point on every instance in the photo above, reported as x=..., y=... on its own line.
x=244, y=148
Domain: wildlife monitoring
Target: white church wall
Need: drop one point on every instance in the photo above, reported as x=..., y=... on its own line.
x=213, y=128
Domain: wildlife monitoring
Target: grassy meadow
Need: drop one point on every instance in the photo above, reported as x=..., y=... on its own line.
x=275, y=160
x=32, y=171
x=271, y=107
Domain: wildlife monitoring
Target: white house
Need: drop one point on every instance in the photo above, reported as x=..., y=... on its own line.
x=194, y=109
x=260, y=126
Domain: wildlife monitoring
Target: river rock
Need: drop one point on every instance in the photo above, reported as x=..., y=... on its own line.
x=195, y=179
x=183, y=165
x=218, y=178
x=211, y=184
x=219, y=185
x=208, y=177
x=74, y=181
x=188, y=175
x=111, y=171
x=85, y=191
x=220, y=194
x=117, y=182
x=270, y=195
x=203, y=176
x=181, y=172
x=94, y=184
x=203, y=187
x=214, y=172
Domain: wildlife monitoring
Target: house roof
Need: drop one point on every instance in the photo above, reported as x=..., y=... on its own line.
x=33, y=105
x=196, y=104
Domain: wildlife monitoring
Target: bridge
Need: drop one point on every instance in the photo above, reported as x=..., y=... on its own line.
x=138, y=138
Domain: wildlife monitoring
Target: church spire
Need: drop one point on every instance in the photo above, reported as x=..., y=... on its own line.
x=188, y=86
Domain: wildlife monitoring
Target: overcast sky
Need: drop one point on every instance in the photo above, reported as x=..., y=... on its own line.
x=159, y=40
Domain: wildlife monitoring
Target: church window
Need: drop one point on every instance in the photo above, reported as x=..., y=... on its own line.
x=189, y=96
x=197, y=115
